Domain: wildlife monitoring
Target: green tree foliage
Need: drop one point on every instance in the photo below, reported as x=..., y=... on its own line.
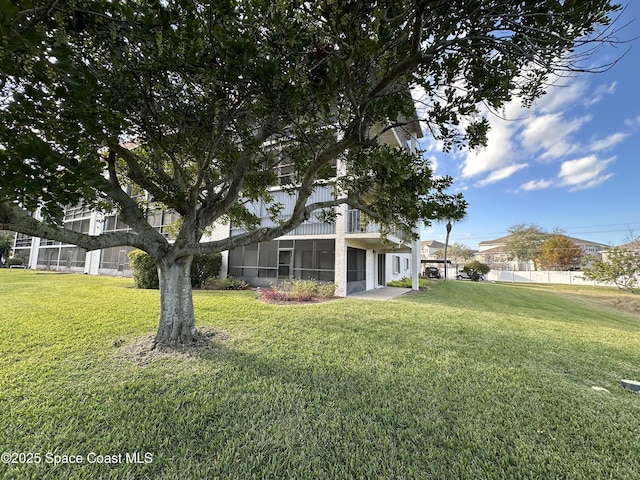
x=143, y=270
x=451, y=213
x=205, y=266
x=219, y=95
x=476, y=270
x=621, y=268
x=525, y=243
x=6, y=242
x=458, y=253
x=559, y=253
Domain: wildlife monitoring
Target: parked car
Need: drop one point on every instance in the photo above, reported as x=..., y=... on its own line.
x=432, y=272
x=462, y=275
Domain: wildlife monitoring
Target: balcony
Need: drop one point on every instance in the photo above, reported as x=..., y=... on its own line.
x=358, y=226
x=356, y=223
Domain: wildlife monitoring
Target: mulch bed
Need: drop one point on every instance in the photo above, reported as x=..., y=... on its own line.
x=144, y=350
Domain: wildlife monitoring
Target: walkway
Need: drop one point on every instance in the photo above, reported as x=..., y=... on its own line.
x=384, y=293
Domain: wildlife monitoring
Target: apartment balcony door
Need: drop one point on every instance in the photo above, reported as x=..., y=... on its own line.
x=285, y=264
x=122, y=259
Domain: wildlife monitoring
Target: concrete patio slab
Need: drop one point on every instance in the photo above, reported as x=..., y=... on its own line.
x=382, y=293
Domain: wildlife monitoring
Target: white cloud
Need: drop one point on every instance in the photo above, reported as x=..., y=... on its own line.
x=607, y=142
x=633, y=122
x=433, y=163
x=551, y=134
x=495, y=155
x=550, y=131
x=583, y=173
x=600, y=92
x=502, y=173
x=558, y=96
x=536, y=185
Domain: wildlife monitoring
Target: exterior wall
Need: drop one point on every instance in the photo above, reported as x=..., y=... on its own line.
x=43, y=254
x=398, y=266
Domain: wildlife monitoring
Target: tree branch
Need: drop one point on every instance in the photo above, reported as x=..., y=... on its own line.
x=14, y=218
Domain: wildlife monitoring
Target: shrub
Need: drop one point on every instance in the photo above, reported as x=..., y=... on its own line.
x=300, y=291
x=229, y=283
x=406, y=282
x=204, y=267
x=280, y=296
x=620, y=268
x=145, y=271
x=476, y=270
x=14, y=261
x=326, y=289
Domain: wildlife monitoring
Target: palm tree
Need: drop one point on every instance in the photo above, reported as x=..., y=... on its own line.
x=453, y=211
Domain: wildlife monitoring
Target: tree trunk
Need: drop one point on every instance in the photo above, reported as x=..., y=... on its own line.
x=177, y=323
x=446, y=248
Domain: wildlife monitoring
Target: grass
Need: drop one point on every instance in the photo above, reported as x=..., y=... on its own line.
x=469, y=380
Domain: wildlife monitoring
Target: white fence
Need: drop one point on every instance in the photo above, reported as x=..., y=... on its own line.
x=522, y=276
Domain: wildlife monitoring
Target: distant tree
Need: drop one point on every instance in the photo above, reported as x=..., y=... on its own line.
x=458, y=253
x=559, y=253
x=454, y=211
x=525, y=243
x=6, y=241
x=476, y=270
x=621, y=268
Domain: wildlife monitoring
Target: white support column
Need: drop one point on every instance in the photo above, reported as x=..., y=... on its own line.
x=34, y=252
x=371, y=269
x=92, y=260
x=415, y=263
x=341, y=253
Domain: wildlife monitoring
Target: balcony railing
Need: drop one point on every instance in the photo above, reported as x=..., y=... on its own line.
x=356, y=223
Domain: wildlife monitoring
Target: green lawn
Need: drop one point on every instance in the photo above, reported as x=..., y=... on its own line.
x=467, y=381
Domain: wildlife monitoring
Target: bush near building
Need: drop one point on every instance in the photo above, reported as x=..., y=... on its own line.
x=145, y=271
x=299, y=291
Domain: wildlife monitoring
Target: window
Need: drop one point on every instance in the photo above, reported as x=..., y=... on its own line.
x=396, y=264
x=268, y=259
x=23, y=240
x=285, y=258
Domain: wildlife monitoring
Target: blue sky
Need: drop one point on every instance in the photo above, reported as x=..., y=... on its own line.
x=570, y=162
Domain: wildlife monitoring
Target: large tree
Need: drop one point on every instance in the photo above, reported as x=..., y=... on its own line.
x=453, y=212
x=525, y=242
x=458, y=253
x=217, y=94
x=559, y=253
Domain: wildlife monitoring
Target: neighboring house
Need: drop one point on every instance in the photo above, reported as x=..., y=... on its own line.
x=349, y=251
x=494, y=254
x=429, y=249
x=633, y=245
